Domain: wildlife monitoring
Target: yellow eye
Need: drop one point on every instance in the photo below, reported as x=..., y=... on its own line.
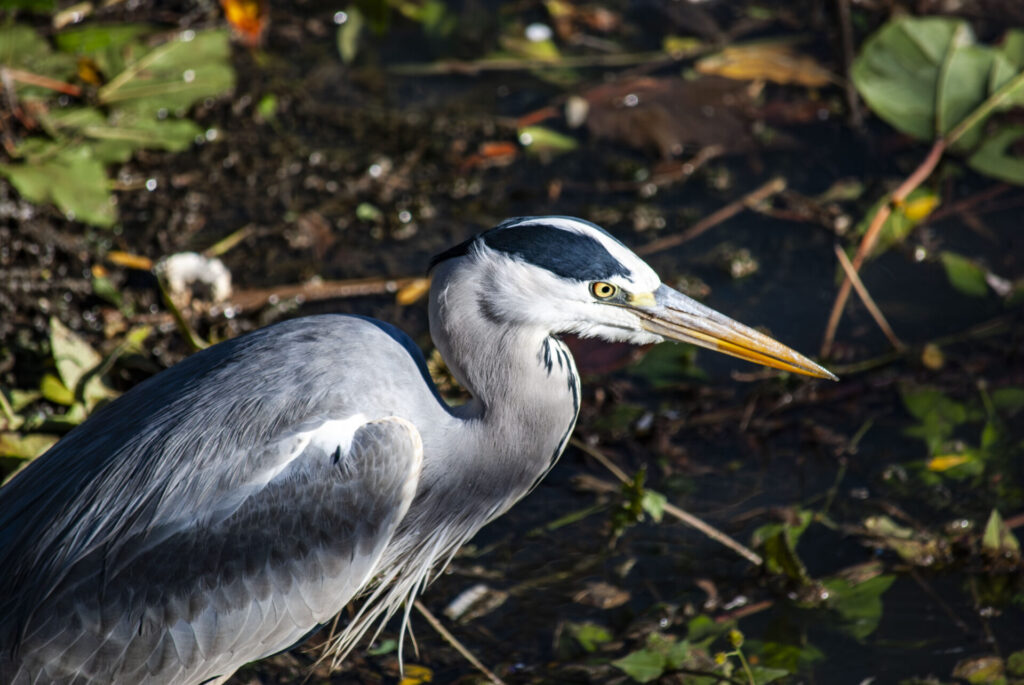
x=602, y=290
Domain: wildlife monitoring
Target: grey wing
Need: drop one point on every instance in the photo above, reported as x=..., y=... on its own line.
x=192, y=600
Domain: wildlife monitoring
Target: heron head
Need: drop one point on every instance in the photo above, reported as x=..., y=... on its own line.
x=566, y=275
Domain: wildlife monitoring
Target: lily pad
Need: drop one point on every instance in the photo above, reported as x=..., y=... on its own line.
x=925, y=75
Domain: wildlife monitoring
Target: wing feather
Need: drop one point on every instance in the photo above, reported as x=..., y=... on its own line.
x=271, y=565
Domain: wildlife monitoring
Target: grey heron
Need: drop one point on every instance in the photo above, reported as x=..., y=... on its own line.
x=221, y=510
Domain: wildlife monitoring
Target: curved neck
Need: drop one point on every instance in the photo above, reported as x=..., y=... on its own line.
x=524, y=382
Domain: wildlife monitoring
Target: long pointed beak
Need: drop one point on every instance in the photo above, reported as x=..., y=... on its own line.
x=675, y=316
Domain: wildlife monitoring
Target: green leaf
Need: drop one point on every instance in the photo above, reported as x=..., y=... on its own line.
x=72, y=180
x=1012, y=48
x=348, y=35
x=1015, y=664
x=996, y=156
x=897, y=71
x=666, y=366
x=925, y=75
x=55, y=391
x=860, y=605
x=1009, y=400
x=653, y=504
x=998, y=540
x=642, y=666
x=901, y=220
x=385, y=647
x=25, y=445
x=73, y=357
x=539, y=140
x=173, y=76
x=938, y=415
x=22, y=48
x=764, y=674
x=89, y=40
x=964, y=274
x=778, y=542
x=676, y=652
x=590, y=636
x=368, y=212
x=41, y=6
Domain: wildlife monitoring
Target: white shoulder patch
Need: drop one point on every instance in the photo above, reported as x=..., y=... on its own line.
x=335, y=434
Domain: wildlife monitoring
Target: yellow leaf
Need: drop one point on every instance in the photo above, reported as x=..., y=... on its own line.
x=416, y=675
x=918, y=209
x=130, y=261
x=774, y=62
x=413, y=291
x=944, y=462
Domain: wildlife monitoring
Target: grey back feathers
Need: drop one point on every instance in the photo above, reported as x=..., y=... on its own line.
x=222, y=509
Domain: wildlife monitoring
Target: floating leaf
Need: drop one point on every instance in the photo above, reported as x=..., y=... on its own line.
x=965, y=275
x=778, y=542
x=937, y=414
x=775, y=62
x=859, y=605
x=944, y=462
x=1009, y=400
x=590, y=636
x=998, y=540
x=665, y=366
x=25, y=445
x=925, y=75
x=642, y=666
x=901, y=221
x=414, y=674
x=348, y=35
x=995, y=156
x=653, y=504
x=982, y=670
x=540, y=141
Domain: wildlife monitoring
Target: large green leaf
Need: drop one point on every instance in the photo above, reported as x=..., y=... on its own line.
x=897, y=72
x=22, y=48
x=73, y=180
x=925, y=75
x=173, y=76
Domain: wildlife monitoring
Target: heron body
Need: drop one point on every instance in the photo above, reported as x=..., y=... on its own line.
x=220, y=511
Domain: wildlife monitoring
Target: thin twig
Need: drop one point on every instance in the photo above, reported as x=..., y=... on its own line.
x=31, y=79
x=922, y=172
x=318, y=290
x=772, y=187
x=671, y=509
x=446, y=67
x=868, y=301
x=454, y=642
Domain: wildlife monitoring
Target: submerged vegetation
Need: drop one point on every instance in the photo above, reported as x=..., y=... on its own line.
x=774, y=158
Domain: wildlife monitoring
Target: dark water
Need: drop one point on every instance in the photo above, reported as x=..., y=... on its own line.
x=333, y=125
